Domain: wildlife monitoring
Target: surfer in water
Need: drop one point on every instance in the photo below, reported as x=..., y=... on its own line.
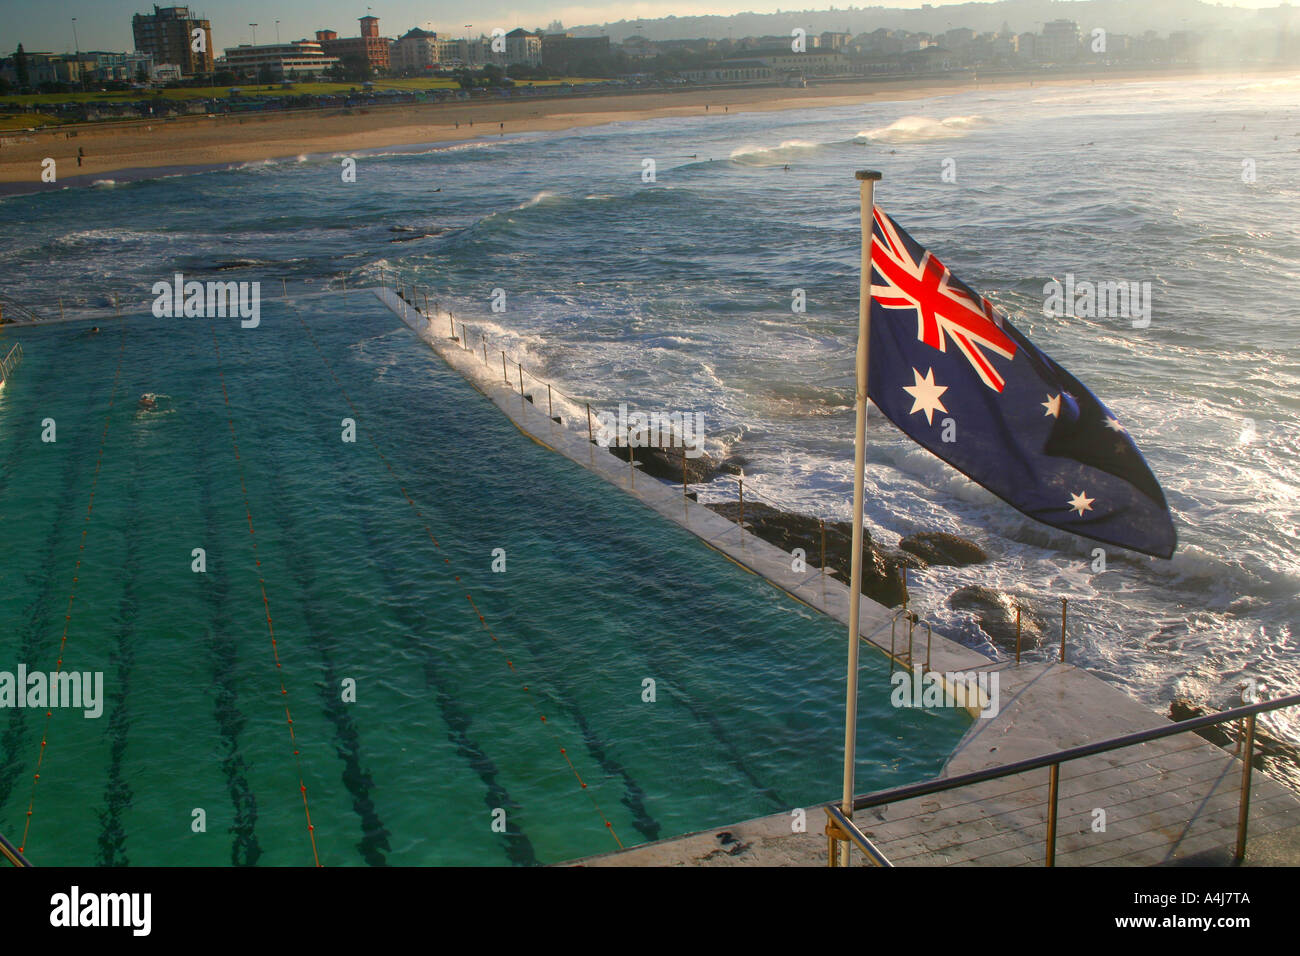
x=148, y=402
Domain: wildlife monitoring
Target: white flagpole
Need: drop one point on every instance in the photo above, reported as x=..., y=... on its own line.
x=867, y=179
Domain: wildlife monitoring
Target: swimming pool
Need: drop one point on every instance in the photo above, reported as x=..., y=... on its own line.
x=376, y=560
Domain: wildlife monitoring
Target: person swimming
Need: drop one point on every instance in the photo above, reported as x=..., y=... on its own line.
x=148, y=402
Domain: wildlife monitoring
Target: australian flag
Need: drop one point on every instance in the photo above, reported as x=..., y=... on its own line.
x=956, y=376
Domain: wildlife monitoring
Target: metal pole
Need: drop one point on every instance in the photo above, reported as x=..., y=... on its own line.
x=485, y=350
x=451, y=322
x=866, y=186
x=822, y=524
x=426, y=304
x=742, y=511
x=284, y=287
x=1062, y=630
x=521, y=384
x=1243, y=808
x=505, y=374
x=1053, y=788
x=590, y=440
x=550, y=407
x=683, y=471
x=1017, y=633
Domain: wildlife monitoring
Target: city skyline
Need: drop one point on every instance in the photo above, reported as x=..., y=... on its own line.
x=107, y=25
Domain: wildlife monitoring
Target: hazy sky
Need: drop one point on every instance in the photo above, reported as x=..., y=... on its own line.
x=46, y=25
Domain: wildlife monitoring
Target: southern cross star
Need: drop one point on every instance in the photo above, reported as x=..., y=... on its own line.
x=1081, y=503
x=925, y=395
x=1053, y=406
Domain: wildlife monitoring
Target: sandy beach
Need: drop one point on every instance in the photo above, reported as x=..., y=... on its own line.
x=206, y=141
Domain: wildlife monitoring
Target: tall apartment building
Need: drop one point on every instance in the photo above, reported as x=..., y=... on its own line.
x=415, y=51
x=167, y=35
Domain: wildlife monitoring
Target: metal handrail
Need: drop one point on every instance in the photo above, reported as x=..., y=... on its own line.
x=840, y=827
x=1054, y=760
x=11, y=853
x=1073, y=753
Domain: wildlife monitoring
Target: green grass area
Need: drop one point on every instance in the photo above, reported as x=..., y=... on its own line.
x=414, y=84
x=25, y=120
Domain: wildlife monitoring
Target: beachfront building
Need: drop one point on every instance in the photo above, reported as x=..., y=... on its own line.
x=167, y=35
x=279, y=61
x=1059, y=42
x=523, y=48
x=369, y=46
x=561, y=52
x=730, y=71
x=415, y=52
x=814, y=62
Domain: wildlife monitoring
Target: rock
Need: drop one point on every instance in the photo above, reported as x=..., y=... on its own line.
x=996, y=614
x=882, y=575
x=666, y=464
x=938, y=547
x=1275, y=756
x=1181, y=709
x=735, y=465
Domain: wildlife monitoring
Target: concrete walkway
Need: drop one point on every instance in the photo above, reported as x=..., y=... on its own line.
x=1166, y=801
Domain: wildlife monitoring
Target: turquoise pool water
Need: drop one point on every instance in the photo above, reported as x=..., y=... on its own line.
x=598, y=595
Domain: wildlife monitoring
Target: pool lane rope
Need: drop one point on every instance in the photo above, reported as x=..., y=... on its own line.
x=496, y=643
x=72, y=595
x=266, y=605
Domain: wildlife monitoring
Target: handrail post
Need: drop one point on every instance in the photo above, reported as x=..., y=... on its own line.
x=1243, y=807
x=1063, y=601
x=821, y=523
x=550, y=406
x=1017, y=632
x=1053, y=789
x=742, y=509
x=504, y=373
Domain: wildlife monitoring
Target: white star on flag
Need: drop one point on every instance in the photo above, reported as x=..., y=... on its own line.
x=1114, y=425
x=1053, y=406
x=1081, y=503
x=925, y=395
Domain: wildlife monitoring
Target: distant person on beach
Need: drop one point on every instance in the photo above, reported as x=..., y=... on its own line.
x=81, y=151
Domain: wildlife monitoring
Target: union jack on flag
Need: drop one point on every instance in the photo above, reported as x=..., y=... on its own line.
x=997, y=408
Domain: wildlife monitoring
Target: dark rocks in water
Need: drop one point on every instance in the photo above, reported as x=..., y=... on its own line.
x=1181, y=709
x=235, y=264
x=735, y=465
x=1272, y=754
x=996, y=614
x=666, y=464
x=938, y=547
x=882, y=573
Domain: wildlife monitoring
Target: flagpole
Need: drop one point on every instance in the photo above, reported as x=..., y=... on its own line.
x=867, y=179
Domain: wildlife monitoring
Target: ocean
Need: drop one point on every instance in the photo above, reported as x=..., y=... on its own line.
x=676, y=294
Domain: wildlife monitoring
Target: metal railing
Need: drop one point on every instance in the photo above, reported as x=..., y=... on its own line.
x=836, y=830
x=10, y=362
x=10, y=853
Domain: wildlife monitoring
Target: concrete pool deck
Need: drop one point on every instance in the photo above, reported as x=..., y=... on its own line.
x=1164, y=801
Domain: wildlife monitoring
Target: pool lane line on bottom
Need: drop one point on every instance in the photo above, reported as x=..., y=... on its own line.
x=428, y=530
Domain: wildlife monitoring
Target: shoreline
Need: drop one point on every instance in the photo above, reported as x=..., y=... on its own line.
x=143, y=149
